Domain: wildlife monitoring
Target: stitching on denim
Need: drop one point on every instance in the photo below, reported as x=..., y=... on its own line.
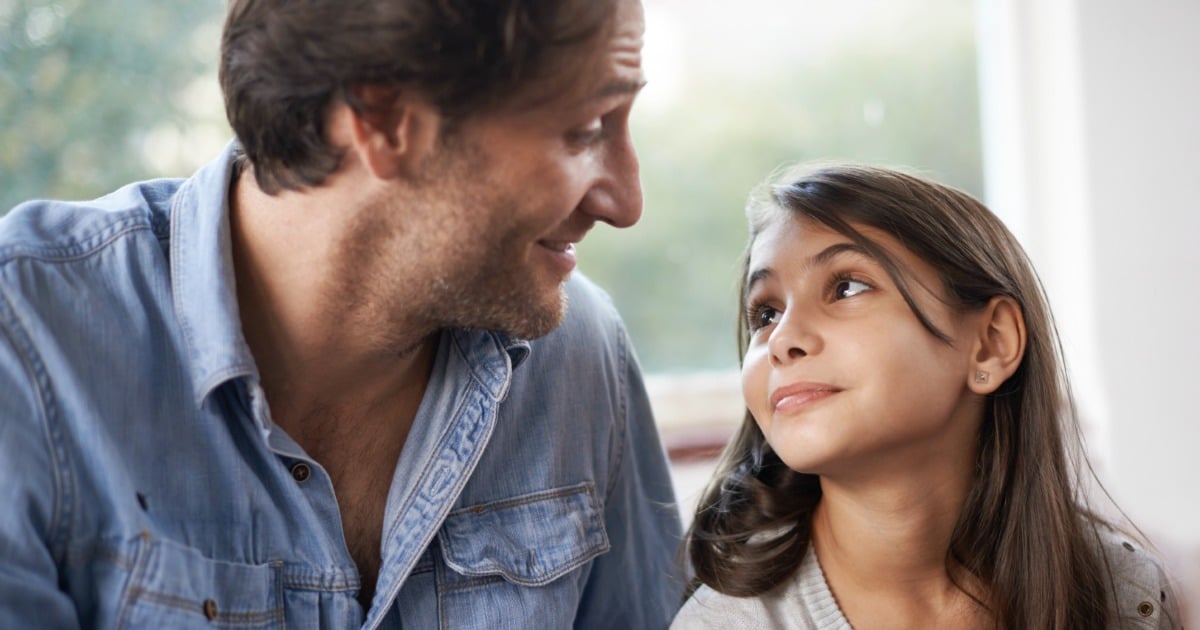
x=472, y=369
x=105, y=553
x=544, y=495
x=320, y=585
x=474, y=582
x=197, y=607
x=130, y=589
x=64, y=491
x=468, y=467
x=80, y=250
x=622, y=428
x=559, y=573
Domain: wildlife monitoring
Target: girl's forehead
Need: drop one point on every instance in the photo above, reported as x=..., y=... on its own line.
x=782, y=231
x=792, y=239
x=785, y=234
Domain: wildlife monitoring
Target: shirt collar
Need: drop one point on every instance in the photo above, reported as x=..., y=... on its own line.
x=205, y=294
x=202, y=277
x=517, y=349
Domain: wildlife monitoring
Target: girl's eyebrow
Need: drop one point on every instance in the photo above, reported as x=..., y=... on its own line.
x=820, y=258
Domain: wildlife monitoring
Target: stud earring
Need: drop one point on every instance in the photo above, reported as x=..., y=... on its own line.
x=981, y=377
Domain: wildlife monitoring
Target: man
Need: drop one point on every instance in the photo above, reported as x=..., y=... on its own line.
x=343, y=376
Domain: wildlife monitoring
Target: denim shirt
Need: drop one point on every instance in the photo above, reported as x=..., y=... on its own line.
x=144, y=485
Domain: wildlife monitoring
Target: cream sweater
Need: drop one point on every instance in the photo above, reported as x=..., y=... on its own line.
x=1144, y=599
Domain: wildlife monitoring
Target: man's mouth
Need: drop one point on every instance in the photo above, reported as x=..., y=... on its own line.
x=561, y=255
x=562, y=247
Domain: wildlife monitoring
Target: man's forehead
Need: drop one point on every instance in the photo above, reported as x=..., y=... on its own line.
x=607, y=65
x=579, y=84
x=609, y=68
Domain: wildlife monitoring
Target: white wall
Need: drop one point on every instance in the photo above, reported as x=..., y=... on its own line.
x=1092, y=146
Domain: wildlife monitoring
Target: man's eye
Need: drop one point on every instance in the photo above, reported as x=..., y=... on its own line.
x=588, y=134
x=849, y=288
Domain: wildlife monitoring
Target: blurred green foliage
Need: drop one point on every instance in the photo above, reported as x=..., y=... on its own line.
x=673, y=275
x=85, y=85
x=82, y=84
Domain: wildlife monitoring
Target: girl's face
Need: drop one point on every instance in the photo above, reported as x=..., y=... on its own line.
x=840, y=375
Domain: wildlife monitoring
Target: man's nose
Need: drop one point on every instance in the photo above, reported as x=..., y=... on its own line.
x=616, y=198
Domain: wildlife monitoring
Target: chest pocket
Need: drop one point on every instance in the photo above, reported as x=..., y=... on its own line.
x=173, y=586
x=509, y=561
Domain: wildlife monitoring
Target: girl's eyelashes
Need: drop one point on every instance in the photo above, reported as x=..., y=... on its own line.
x=843, y=285
x=759, y=316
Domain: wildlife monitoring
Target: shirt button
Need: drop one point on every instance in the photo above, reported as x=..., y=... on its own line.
x=210, y=609
x=1145, y=609
x=301, y=472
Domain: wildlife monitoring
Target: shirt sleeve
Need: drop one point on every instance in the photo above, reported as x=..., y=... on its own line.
x=639, y=583
x=30, y=492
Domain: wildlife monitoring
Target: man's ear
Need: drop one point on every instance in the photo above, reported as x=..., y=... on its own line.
x=999, y=345
x=391, y=130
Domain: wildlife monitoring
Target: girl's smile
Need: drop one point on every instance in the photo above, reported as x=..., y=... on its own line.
x=797, y=396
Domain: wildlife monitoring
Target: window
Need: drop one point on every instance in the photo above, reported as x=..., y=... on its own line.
x=733, y=94
x=95, y=95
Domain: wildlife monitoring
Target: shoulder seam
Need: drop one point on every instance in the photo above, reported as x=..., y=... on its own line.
x=58, y=531
x=622, y=428
x=74, y=251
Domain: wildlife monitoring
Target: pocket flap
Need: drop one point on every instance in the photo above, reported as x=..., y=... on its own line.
x=179, y=587
x=530, y=540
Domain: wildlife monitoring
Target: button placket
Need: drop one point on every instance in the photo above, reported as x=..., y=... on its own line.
x=301, y=472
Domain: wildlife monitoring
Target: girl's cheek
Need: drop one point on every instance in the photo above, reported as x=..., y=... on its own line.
x=755, y=372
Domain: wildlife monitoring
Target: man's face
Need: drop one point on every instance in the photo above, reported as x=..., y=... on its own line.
x=505, y=198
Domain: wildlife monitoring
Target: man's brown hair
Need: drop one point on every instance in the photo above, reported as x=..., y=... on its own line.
x=284, y=63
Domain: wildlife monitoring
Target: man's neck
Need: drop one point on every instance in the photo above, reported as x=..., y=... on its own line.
x=311, y=352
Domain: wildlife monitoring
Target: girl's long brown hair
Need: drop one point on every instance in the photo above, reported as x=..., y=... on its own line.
x=1025, y=531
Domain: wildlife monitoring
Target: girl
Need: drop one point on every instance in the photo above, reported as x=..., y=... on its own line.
x=909, y=457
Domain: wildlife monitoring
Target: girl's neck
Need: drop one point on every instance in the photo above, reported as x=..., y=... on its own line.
x=883, y=551
x=893, y=538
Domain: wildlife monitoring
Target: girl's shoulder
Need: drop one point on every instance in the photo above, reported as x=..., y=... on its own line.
x=1144, y=597
x=804, y=602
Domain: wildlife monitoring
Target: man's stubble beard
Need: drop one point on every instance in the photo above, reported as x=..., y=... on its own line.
x=453, y=264
x=486, y=283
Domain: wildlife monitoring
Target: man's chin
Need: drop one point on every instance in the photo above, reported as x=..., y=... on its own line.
x=538, y=317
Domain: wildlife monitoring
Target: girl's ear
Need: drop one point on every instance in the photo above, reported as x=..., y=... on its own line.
x=999, y=345
x=391, y=133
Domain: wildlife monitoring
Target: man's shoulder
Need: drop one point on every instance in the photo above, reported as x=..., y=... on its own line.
x=59, y=231
x=92, y=272
x=591, y=338
x=591, y=333
x=590, y=311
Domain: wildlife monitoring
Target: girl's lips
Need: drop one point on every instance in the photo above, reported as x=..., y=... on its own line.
x=798, y=395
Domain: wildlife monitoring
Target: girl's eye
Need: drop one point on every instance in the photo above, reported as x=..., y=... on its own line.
x=849, y=288
x=763, y=316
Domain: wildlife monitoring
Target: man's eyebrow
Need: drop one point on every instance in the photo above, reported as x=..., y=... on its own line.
x=820, y=258
x=617, y=88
